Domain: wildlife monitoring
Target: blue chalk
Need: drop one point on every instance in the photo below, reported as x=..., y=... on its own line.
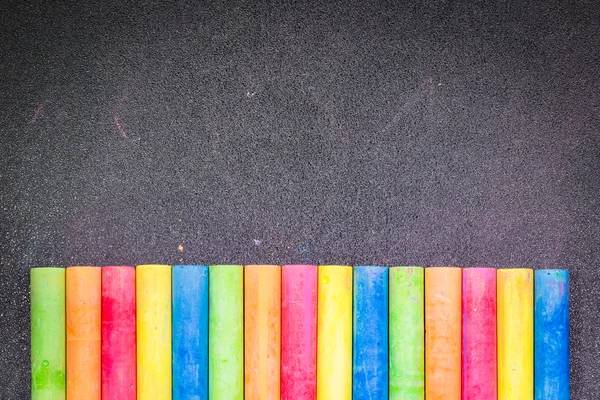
x=190, y=331
x=551, y=334
x=370, y=334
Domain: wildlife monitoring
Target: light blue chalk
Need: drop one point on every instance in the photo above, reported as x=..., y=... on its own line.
x=551, y=327
x=190, y=332
x=370, y=334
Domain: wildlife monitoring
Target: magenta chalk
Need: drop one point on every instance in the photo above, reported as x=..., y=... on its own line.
x=479, y=334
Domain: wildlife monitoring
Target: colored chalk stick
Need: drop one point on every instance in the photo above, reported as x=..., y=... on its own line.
x=299, y=332
x=262, y=332
x=48, y=356
x=153, y=325
x=190, y=331
x=514, y=292
x=551, y=327
x=479, y=333
x=118, y=333
x=84, y=318
x=443, y=333
x=370, y=333
x=334, y=333
x=407, y=333
x=226, y=332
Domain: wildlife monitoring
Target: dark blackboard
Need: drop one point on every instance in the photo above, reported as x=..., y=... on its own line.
x=448, y=132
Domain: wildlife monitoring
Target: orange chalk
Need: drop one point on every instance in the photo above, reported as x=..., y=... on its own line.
x=83, y=309
x=262, y=331
x=443, y=333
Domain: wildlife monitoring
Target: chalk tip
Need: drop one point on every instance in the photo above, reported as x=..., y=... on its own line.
x=514, y=270
x=118, y=266
x=370, y=271
x=553, y=272
x=189, y=266
x=42, y=271
x=224, y=266
x=152, y=266
x=406, y=271
x=479, y=273
x=442, y=270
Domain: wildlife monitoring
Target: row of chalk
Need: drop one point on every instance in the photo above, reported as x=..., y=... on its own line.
x=299, y=332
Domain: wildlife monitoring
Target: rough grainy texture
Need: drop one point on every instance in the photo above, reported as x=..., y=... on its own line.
x=448, y=133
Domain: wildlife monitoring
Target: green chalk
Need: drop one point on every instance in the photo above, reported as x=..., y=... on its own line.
x=48, y=378
x=406, y=334
x=226, y=332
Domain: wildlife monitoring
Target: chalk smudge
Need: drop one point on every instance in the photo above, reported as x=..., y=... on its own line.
x=38, y=112
x=116, y=118
x=119, y=127
x=303, y=251
x=421, y=94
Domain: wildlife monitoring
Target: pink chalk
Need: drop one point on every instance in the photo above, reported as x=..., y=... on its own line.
x=299, y=332
x=479, y=334
x=118, y=333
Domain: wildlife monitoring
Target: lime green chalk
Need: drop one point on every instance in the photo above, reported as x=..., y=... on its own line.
x=406, y=334
x=226, y=332
x=48, y=378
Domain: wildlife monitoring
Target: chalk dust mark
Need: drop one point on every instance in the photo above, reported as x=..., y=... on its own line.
x=422, y=93
x=119, y=127
x=116, y=117
x=38, y=112
x=303, y=250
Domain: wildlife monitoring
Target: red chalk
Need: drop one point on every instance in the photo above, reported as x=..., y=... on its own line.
x=299, y=332
x=479, y=334
x=118, y=333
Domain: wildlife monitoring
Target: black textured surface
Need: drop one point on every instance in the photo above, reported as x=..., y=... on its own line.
x=450, y=132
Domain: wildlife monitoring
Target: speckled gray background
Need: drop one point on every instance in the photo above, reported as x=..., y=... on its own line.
x=450, y=132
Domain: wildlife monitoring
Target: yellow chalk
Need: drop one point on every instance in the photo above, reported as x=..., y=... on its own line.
x=153, y=323
x=334, y=333
x=515, y=333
